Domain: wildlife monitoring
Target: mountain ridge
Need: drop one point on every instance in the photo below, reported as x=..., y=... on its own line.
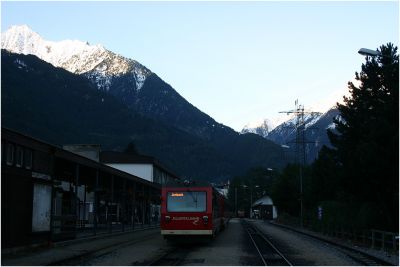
x=120, y=76
x=158, y=101
x=37, y=100
x=316, y=124
x=78, y=57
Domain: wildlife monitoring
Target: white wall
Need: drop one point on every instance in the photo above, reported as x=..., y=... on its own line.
x=144, y=171
x=274, y=212
x=41, y=208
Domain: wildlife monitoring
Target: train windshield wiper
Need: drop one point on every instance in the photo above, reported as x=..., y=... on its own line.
x=193, y=197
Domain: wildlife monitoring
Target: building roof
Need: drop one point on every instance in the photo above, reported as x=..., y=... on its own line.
x=108, y=157
x=121, y=157
x=28, y=141
x=265, y=200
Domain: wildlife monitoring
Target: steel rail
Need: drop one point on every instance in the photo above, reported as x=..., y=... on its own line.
x=255, y=245
x=270, y=245
x=357, y=255
x=273, y=246
x=90, y=255
x=173, y=257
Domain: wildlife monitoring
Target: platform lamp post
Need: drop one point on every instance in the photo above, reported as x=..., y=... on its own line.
x=285, y=148
x=236, y=213
x=251, y=198
x=269, y=173
x=245, y=186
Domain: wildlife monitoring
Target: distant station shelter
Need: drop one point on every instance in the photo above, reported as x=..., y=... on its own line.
x=264, y=209
x=51, y=194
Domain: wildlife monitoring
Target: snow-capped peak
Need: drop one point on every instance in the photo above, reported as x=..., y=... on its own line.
x=15, y=39
x=267, y=126
x=22, y=40
x=78, y=57
x=262, y=128
x=309, y=119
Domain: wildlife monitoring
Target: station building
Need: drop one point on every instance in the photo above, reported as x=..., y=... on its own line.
x=51, y=194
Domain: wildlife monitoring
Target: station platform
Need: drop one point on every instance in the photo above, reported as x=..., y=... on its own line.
x=58, y=252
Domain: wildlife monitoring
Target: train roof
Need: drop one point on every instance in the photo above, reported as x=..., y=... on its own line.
x=187, y=183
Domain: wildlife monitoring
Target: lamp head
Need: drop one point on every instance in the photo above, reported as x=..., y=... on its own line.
x=368, y=52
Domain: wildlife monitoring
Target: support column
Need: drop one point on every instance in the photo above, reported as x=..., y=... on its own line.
x=84, y=205
x=96, y=200
x=134, y=206
x=149, y=206
x=112, y=202
x=143, y=207
x=123, y=204
x=77, y=206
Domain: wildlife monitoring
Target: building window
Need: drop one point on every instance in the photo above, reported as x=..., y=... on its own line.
x=28, y=159
x=10, y=154
x=19, y=155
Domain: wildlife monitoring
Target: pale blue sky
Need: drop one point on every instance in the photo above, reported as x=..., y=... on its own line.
x=239, y=62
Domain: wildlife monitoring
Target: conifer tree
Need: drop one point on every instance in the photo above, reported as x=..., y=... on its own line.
x=367, y=142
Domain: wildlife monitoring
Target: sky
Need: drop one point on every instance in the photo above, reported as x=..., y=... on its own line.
x=239, y=62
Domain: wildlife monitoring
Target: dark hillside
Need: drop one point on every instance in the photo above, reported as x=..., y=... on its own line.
x=62, y=108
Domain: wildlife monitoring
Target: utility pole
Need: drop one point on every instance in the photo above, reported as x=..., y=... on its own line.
x=251, y=203
x=300, y=146
x=236, y=214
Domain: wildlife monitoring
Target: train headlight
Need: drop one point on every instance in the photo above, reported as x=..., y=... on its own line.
x=167, y=218
x=205, y=219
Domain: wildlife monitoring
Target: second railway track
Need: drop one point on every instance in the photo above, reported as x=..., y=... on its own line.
x=269, y=254
x=357, y=255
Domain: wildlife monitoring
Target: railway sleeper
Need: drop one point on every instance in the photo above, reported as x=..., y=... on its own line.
x=272, y=257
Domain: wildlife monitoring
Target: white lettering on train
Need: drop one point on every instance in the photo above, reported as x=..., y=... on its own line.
x=194, y=219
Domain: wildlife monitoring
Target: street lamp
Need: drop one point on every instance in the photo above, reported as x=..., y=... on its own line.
x=285, y=149
x=236, y=213
x=251, y=199
x=245, y=186
x=369, y=52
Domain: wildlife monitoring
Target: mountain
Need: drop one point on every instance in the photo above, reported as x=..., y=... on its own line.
x=59, y=107
x=286, y=132
x=144, y=94
x=129, y=81
x=316, y=124
x=262, y=129
x=95, y=62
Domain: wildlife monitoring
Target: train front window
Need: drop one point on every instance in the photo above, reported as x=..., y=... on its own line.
x=186, y=201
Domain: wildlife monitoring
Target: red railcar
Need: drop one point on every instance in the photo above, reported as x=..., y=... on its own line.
x=191, y=209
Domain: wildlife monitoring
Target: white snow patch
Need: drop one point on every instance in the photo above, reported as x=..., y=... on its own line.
x=21, y=64
x=331, y=126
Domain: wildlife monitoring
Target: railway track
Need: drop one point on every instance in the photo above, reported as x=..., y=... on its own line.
x=174, y=257
x=357, y=255
x=269, y=254
x=87, y=256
